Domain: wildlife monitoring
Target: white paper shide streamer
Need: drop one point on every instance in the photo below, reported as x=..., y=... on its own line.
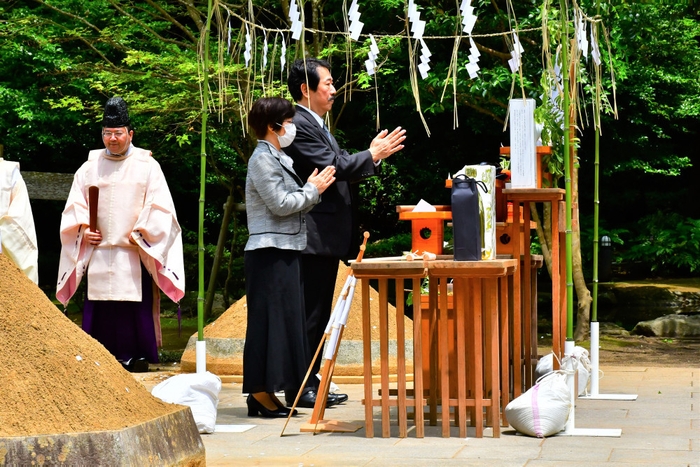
x=228, y=39
x=469, y=20
x=371, y=62
x=595, y=51
x=468, y=16
x=248, y=46
x=424, y=59
x=581, y=34
x=417, y=24
x=356, y=25
x=294, y=16
x=554, y=92
x=417, y=28
x=264, y=63
x=473, y=65
x=515, y=54
x=283, y=56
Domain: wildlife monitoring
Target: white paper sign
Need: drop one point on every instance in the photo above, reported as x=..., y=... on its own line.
x=472, y=66
x=424, y=66
x=514, y=63
x=424, y=51
x=523, y=160
x=264, y=64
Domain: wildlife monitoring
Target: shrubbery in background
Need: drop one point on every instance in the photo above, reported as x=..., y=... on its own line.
x=667, y=244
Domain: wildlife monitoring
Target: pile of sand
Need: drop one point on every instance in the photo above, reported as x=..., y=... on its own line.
x=55, y=378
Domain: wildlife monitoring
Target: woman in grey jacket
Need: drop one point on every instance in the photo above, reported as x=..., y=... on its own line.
x=276, y=349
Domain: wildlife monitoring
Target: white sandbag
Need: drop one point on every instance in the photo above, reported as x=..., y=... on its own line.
x=578, y=360
x=544, y=365
x=542, y=410
x=198, y=391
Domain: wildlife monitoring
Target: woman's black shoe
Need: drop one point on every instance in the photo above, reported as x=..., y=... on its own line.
x=282, y=407
x=255, y=407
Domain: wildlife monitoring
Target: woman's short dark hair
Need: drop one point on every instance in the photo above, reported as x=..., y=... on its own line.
x=298, y=73
x=269, y=111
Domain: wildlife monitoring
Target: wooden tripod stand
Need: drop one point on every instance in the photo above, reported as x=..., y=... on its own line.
x=334, y=332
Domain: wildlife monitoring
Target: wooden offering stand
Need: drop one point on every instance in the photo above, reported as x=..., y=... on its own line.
x=427, y=228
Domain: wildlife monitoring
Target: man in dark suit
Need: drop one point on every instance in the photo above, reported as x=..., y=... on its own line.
x=330, y=224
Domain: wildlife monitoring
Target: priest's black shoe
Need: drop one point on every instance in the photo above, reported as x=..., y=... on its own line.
x=308, y=400
x=136, y=365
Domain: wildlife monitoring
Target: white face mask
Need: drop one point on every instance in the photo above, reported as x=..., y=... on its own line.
x=290, y=131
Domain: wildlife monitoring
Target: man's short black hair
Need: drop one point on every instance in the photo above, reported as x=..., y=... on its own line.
x=298, y=75
x=269, y=111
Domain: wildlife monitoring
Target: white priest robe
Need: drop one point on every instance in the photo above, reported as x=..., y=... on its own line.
x=17, y=233
x=134, y=204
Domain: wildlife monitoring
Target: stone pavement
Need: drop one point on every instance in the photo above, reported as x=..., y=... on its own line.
x=660, y=428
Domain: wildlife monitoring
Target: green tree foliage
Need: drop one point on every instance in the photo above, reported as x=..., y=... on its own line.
x=666, y=245
x=648, y=155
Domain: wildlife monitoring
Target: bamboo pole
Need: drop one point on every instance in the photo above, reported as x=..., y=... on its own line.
x=596, y=205
x=567, y=172
x=201, y=359
x=596, y=181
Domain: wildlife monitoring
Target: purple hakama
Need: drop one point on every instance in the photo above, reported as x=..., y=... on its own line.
x=126, y=329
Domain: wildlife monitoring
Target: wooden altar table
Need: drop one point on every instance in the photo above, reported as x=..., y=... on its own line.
x=481, y=304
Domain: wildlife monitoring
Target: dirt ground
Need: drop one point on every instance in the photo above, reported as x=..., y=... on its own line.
x=649, y=351
x=642, y=351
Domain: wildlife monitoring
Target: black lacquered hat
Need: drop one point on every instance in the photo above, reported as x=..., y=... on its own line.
x=116, y=114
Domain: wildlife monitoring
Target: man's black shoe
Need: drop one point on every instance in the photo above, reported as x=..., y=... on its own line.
x=308, y=400
x=340, y=397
